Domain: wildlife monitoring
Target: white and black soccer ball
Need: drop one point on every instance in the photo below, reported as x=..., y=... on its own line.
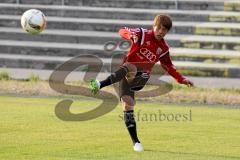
x=33, y=21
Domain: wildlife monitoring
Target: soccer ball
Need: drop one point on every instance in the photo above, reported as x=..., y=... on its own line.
x=33, y=21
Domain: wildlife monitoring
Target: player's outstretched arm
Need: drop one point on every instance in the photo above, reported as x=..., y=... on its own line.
x=188, y=82
x=167, y=64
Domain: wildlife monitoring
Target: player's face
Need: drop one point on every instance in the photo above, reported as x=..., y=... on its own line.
x=160, y=31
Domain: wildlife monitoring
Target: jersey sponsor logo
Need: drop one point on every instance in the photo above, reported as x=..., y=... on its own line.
x=144, y=52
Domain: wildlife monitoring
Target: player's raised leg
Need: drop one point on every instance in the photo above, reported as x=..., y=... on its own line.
x=127, y=69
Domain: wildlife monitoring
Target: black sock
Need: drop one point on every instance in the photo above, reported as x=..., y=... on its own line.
x=114, y=77
x=131, y=125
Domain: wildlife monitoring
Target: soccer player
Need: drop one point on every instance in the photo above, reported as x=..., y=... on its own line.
x=148, y=47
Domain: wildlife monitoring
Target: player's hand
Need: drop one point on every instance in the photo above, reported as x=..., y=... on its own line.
x=134, y=37
x=188, y=83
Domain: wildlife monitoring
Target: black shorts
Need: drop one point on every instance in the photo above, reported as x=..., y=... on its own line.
x=137, y=84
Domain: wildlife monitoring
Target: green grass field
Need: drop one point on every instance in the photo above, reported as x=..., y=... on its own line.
x=30, y=130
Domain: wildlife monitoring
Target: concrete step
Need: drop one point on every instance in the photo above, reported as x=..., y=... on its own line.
x=70, y=36
x=122, y=13
x=205, y=55
x=51, y=48
x=212, y=42
x=154, y=4
x=204, y=69
x=110, y=25
x=71, y=50
x=232, y=5
x=50, y=63
x=217, y=28
x=9, y=1
x=113, y=25
x=60, y=36
x=151, y=4
x=97, y=37
x=42, y=2
x=224, y=17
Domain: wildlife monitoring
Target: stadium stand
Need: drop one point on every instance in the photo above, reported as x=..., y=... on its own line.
x=204, y=40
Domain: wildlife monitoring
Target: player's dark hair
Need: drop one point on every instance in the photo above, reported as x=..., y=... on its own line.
x=164, y=20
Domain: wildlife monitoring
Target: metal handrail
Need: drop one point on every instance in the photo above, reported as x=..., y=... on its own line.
x=176, y=4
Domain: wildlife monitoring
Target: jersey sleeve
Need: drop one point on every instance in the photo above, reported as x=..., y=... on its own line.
x=127, y=33
x=167, y=64
x=165, y=48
